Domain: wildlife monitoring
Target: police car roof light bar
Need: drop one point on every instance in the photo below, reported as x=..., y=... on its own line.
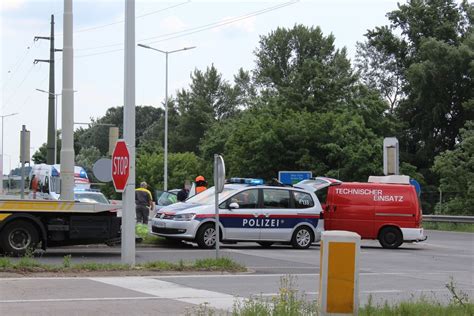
x=253, y=181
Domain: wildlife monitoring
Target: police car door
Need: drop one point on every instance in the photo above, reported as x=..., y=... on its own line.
x=239, y=217
x=277, y=218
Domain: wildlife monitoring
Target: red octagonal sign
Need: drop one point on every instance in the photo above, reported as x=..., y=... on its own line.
x=120, y=165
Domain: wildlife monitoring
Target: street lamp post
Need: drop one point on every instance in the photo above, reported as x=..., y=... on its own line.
x=1, y=160
x=165, y=182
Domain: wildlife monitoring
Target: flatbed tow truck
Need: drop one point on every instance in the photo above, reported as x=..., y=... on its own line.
x=27, y=224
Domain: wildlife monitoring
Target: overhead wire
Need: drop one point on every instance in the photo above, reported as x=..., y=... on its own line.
x=17, y=66
x=136, y=17
x=19, y=86
x=205, y=27
x=20, y=61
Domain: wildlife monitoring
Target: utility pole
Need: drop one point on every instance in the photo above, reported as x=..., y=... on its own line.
x=128, y=197
x=51, y=146
x=67, y=148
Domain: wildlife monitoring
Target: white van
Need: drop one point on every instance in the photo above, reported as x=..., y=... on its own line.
x=45, y=181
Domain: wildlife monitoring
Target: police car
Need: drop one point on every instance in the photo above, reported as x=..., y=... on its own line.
x=248, y=211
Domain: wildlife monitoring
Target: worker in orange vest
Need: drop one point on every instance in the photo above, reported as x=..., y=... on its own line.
x=201, y=184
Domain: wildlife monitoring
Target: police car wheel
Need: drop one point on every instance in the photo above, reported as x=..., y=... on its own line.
x=18, y=237
x=390, y=237
x=206, y=236
x=265, y=244
x=302, y=238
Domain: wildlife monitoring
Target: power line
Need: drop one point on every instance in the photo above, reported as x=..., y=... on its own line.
x=31, y=93
x=17, y=66
x=122, y=21
x=21, y=83
x=190, y=31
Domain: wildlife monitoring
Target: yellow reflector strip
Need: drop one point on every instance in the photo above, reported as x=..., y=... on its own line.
x=3, y=216
x=35, y=205
x=321, y=256
x=341, y=269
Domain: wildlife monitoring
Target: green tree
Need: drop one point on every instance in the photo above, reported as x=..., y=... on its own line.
x=304, y=69
x=86, y=159
x=456, y=170
x=181, y=167
x=264, y=141
x=40, y=155
x=97, y=134
x=209, y=99
x=422, y=63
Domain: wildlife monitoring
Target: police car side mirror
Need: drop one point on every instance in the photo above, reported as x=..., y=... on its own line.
x=233, y=205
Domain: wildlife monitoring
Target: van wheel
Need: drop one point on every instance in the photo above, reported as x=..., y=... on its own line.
x=265, y=244
x=206, y=236
x=18, y=237
x=390, y=237
x=302, y=237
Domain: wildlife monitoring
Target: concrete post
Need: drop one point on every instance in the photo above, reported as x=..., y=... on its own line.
x=128, y=215
x=67, y=148
x=339, y=273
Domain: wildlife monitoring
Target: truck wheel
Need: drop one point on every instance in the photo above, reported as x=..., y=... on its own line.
x=206, y=236
x=390, y=237
x=302, y=237
x=265, y=244
x=17, y=237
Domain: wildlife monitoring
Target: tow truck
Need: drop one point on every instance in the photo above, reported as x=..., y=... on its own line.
x=28, y=224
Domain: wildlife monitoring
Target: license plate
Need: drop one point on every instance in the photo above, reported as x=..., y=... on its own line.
x=161, y=224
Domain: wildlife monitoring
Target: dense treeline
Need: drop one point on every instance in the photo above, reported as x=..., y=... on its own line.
x=306, y=107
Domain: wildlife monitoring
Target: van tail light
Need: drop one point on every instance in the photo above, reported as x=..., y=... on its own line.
x=419, y=218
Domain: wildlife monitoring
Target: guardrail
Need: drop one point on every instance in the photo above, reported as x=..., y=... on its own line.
x=448, y=219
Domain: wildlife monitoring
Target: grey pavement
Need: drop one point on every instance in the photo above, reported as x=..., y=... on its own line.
x=412, y=271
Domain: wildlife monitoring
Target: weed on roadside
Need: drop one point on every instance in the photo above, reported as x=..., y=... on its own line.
x=67, y=261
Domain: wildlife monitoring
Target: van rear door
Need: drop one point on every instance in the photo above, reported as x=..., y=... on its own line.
x=397, y=205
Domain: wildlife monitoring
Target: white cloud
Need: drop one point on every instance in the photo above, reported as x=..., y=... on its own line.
x=7, y=5
x=172, y=24
x=244, y=25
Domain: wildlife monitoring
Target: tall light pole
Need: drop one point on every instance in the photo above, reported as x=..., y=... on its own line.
x=1, y=160
x=165, y=182
x=55, y=122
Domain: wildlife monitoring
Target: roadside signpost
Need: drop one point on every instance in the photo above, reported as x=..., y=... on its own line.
x=219, y=180
x=120, y=165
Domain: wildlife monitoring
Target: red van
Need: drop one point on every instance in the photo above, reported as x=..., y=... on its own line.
x=385, y=208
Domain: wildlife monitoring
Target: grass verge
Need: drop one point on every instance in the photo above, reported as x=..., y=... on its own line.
x=28, y=264
x=141, y=230
x=453, y=227
x=290, y=302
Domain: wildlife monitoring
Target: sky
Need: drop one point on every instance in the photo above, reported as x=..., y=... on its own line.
x=225, y=33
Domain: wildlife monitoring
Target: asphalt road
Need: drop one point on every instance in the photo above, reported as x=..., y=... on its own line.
x=412, y=271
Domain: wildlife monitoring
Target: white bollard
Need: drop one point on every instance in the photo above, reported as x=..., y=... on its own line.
x=339, y=273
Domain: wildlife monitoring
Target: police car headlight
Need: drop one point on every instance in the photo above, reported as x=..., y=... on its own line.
x=184, y=217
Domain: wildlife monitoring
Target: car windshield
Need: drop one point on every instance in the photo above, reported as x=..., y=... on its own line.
x=207, y=197
x=91, y=198
x=167, y=198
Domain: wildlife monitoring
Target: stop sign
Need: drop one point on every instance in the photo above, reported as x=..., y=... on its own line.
x=120, y=165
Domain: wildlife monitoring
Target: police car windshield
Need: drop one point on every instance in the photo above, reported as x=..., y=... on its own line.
x=207, y=197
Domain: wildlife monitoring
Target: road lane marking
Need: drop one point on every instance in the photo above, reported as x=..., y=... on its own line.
x=174, y=291
x=86, y=299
